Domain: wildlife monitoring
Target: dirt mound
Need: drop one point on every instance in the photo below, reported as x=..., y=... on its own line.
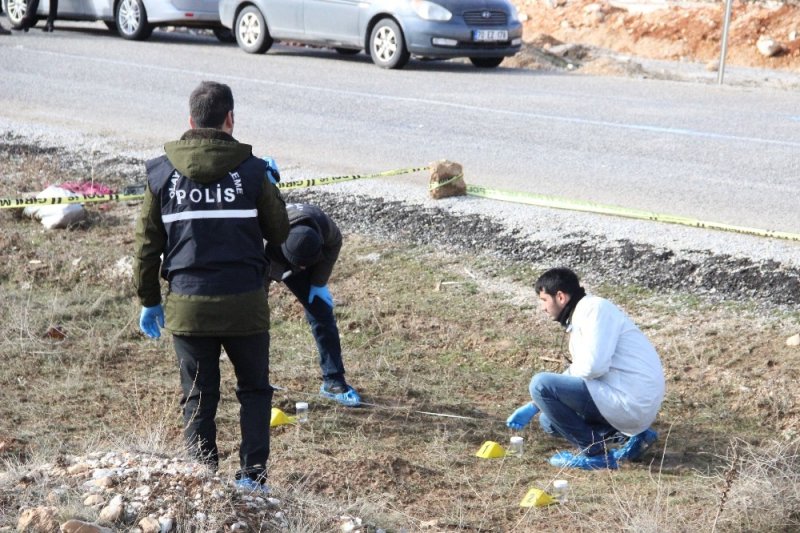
x=681, y=31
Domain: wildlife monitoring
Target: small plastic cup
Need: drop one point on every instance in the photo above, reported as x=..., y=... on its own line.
x=560, y=488
x=516, y=446
x=301, y=410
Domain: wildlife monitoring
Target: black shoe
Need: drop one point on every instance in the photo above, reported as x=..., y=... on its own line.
x=335, y=387
x=48, y=27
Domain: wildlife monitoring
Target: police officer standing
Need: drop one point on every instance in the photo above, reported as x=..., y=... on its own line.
x=207, y=210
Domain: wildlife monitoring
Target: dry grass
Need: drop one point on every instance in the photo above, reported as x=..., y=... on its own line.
x=761, y=488
x=413, y=345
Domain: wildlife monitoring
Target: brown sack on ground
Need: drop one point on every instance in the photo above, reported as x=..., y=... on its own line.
x=447, y=179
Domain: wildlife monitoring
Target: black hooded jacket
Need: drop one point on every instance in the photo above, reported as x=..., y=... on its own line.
x=316, y=218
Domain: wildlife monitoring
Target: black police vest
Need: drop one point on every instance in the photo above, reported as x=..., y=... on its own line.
x=214, y=241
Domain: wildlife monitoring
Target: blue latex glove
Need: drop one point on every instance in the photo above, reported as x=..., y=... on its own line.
x=522, y=416
x=151, y=321
x=322, y=293
x=273, y=174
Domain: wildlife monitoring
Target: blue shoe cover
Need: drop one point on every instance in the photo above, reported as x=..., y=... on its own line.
x=583, y=461
x=251, y=486
x=522, y=416
x=635, y=446
x=349, y=398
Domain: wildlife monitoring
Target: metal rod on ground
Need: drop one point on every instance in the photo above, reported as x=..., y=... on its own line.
x=724, y=51
x=391, y=408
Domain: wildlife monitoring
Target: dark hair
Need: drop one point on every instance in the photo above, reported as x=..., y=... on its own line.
x=210, y=103
x=558, y=279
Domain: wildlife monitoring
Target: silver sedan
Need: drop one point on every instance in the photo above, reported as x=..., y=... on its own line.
x=390, y=31
x=132, y=19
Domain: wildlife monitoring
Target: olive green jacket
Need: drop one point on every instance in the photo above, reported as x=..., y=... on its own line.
x=204, y=155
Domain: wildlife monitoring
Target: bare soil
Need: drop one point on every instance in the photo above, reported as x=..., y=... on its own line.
x=674, y=31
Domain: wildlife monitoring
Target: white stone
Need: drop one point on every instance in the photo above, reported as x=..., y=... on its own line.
x=104, y=482
x=79, y=526
x=79, y=468
x=149, y=524
x=142, y=490
x=166, y=524
x=768, y=46
x=794, y=340
x=93, y=500
x=102, y=472
x=38, y=519
x=113, y=511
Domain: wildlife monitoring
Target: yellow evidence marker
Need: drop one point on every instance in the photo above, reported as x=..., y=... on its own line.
x=537, y=498
x=490, y=450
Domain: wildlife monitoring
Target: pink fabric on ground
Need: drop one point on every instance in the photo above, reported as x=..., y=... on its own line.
x=87, y=188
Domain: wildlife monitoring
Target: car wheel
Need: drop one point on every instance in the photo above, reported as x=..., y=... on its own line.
x=131, y=19
x=387, y=47
x=251, y=31
x=347, y=51
x=224, y=35
x=16, y=9
x=486, y=62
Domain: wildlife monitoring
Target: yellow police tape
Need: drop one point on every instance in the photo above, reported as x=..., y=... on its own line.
x=11, y=203
x=472, y=190
x=590, y=207
x=302, y=184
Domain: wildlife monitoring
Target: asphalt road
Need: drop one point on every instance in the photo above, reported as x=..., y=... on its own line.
x=724, y=154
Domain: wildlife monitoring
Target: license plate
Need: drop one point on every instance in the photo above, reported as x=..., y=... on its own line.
x=489, y=36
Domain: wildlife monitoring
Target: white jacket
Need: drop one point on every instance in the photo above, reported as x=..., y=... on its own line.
x=619, y=365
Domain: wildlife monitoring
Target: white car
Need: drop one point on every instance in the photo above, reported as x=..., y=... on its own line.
x=132, y=19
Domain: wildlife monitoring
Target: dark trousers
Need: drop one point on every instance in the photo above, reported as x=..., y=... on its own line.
x=198, y=358
x=30, y=12
x=323, y=328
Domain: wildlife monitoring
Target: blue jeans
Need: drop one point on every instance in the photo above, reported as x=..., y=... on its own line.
x=323, y=327
x=567, y=409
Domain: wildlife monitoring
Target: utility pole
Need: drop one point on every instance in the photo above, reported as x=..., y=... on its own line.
x=724, y=51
